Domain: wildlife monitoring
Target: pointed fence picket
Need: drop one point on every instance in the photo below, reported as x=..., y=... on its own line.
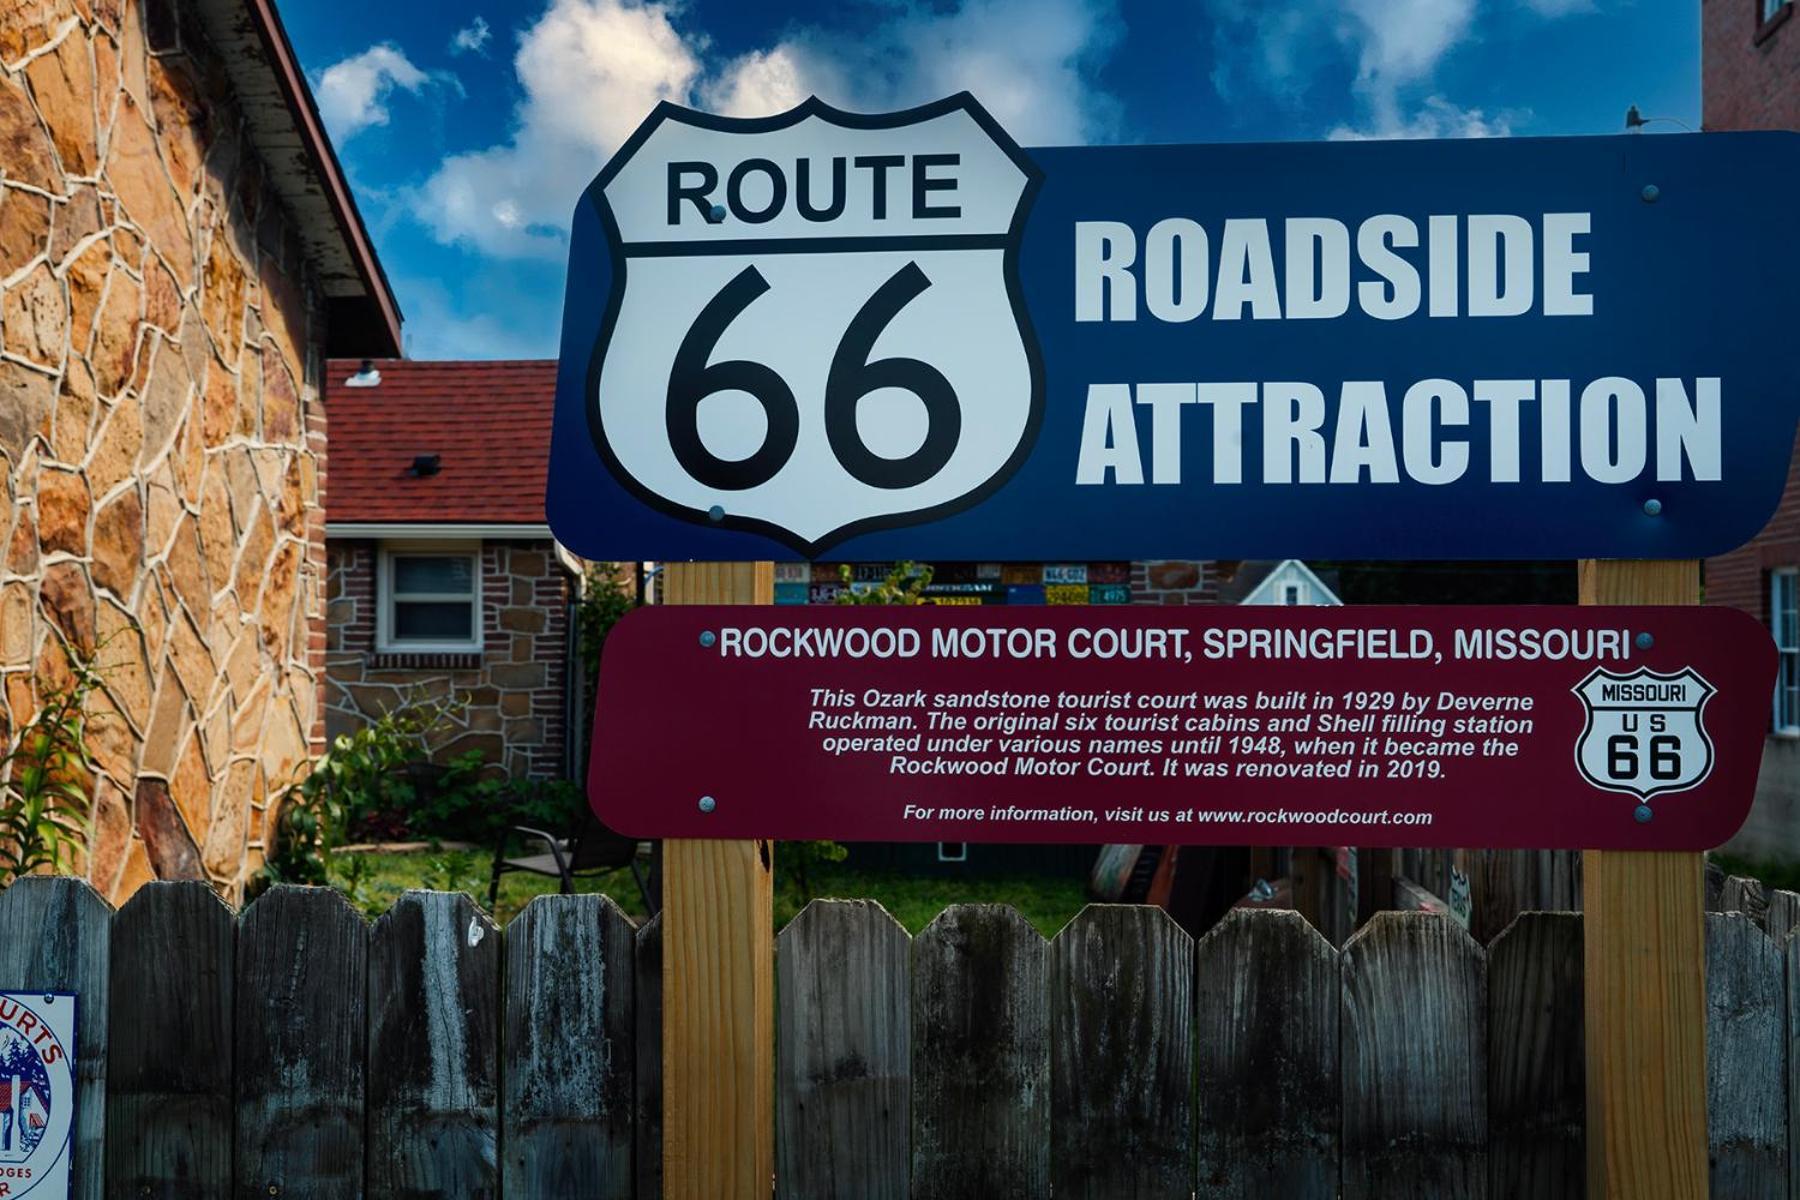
x=981, y=1056
x=569, y=1030
x=1121, y=1055
x=1537, y=1081
x=298, y=1050
x=1266, y=1015
x=434, y=1050
x=171, y=1107
x=844, y=1054
x=300, y=1019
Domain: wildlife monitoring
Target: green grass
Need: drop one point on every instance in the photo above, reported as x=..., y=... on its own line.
x=1784, y=875
x=375, y=881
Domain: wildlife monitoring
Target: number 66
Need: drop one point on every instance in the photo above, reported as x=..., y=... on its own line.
x=851, y=377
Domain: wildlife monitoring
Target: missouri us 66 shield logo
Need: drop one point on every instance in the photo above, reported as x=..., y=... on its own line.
x=815, y=305
x=1644, y=734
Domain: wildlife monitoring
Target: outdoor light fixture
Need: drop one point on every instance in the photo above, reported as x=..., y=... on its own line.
x=424, y=464
x=366, y=376
x=1635, y=120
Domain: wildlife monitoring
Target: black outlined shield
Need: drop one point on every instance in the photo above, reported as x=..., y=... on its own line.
x=1644, y=734
x=816, y=327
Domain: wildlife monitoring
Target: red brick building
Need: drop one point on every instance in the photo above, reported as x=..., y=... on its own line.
x=443, y=577
x=1750, y=79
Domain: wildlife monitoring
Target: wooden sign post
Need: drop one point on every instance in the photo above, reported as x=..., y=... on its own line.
x=718, y=972
x=1645, y=976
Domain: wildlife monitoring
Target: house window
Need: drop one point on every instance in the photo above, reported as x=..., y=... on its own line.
x=953, y=852
x=430, y=600
x=1784, y=623
x=1290, y=593
x=1770, y=14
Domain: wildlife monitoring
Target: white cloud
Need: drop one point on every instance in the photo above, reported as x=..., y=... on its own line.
x=497, y=315
x=1402, y=41
x=1022, y=59
x=1386, y=53
x=1436, y=117
x=353, y=94
x=473, y=36
x=592, y=69
x=1561, y=8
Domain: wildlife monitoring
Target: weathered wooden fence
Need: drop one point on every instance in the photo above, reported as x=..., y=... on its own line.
x=296, y=1050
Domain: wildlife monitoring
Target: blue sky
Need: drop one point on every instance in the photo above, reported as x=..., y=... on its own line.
x=468, y=127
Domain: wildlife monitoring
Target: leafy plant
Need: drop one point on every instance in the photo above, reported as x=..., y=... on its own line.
x=355, y=880
x=47, y=774
x=905, y=584
x=457, y=803
x=605, y=597
x=363, y=779
x=473, y=801
x=453, y=872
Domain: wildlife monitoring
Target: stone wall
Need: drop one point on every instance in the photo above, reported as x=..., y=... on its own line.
x=515, y=711
x=160, y=432
x=1173, y=581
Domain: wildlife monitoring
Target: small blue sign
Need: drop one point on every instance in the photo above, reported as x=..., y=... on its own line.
x=902, y=336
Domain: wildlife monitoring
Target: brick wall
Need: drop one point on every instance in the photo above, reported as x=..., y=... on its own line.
x=516, y=711
x=1747, y=82
x=1750, y=79
x=1173, y=581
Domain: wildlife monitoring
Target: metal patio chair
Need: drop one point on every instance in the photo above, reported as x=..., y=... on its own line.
x=591, y=849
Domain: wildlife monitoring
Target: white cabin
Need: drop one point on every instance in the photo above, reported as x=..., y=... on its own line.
x=1289, y=582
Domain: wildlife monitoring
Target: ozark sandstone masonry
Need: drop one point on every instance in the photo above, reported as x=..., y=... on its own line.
x=160, y=427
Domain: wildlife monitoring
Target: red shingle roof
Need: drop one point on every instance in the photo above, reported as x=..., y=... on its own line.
x=488, y=421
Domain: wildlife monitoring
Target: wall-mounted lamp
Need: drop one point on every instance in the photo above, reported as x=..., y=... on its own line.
x=1635, y=121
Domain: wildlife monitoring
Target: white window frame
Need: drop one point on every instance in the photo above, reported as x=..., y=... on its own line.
x=1785, y=723
x=945, y=856
x=385, y=598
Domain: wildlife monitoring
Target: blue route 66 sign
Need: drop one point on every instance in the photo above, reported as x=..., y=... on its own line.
x=37, y=1093
x=903, y=336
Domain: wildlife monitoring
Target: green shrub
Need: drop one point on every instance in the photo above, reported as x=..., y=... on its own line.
x=48, y=775
x=473, y=802
x=605, y=597
x=376, y=784
x=362, y=780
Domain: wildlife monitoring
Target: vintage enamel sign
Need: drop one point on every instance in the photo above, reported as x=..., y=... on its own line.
x=903, y=336
x=1533, y=728
x=37, y=1093
x=1645, y=731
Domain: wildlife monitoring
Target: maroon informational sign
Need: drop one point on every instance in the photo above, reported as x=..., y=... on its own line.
x=1546, y=728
